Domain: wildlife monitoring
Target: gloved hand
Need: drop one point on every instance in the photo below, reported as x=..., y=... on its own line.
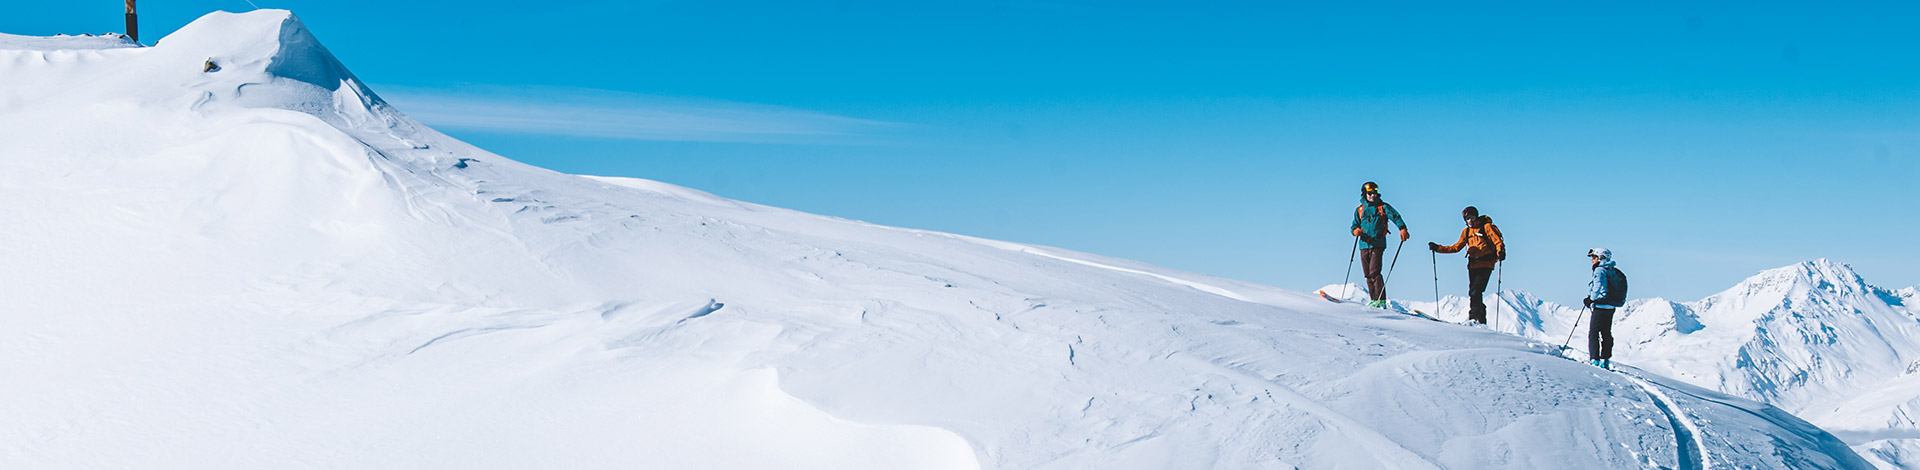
x=1503, y=255
x=1431, y=246
x=1587, y=301
x=1403, y=235
x=1356, y=232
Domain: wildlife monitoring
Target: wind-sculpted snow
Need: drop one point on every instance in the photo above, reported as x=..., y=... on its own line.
x=264, y=266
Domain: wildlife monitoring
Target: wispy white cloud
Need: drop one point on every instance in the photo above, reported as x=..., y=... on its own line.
x=582, y=112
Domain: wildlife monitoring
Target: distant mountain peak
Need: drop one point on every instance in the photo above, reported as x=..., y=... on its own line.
x=1820, y=274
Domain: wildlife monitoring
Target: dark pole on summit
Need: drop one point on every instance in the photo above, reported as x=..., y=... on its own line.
x=133, y=23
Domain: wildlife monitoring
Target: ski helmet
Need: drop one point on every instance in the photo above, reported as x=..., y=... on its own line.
x=1369, y=187
x=1601, y=253
x=1469, y=212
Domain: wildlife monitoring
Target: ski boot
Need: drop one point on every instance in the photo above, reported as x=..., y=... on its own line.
x=1377, y=303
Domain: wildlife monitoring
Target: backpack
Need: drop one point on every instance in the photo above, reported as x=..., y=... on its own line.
x=1485, y=234
x=1616, y=287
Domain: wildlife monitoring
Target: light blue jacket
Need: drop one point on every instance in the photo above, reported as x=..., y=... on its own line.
x=1608, y=288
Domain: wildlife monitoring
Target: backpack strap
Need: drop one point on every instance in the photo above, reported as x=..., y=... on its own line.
x=1380, y=211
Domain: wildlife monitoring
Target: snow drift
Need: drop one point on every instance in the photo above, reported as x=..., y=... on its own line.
x=264, y=265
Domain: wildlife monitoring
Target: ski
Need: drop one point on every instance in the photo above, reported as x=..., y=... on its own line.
x=1576, y=355
x=1420, y=314
x=1323, y=295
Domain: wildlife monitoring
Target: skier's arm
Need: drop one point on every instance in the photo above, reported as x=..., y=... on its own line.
x=1356, y=222
x=1598, y=288
x=1394, y=215
x=1456, y=246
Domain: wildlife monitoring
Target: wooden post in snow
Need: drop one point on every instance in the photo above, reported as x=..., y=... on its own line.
x=133, y=23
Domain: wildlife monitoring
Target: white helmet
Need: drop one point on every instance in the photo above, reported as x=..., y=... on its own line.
x=1601, y=253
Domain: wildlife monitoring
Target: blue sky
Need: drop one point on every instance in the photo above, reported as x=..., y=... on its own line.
x=1703, y=142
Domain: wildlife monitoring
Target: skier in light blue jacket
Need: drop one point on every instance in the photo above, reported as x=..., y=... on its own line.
x=1605, y=293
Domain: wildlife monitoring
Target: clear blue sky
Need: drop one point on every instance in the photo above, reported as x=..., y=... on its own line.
x=1703, y=142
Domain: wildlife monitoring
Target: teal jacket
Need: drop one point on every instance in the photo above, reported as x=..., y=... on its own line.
x=1368, y=218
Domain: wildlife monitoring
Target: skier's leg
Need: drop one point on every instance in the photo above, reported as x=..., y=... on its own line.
x=1476, y=290
x=1603, y=328
x=1370, y=263
x=1593, y=335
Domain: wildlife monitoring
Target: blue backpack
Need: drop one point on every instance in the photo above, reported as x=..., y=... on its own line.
x=1616, y=287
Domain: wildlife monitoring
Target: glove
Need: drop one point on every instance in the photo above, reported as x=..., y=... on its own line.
x=1503, y=256
x=1356, y=232
x=1431, y=246
x=1587, y=301
x=1403, y=235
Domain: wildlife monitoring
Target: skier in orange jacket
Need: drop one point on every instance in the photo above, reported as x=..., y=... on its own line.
x=1485, y=250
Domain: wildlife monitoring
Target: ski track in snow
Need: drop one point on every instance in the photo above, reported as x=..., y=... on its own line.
x=1686, y=435
x=1215, y=290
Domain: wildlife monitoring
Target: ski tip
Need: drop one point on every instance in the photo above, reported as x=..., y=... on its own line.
x=1323, y=295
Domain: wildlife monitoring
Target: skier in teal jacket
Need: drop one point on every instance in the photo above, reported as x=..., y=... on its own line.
x=1370, y=226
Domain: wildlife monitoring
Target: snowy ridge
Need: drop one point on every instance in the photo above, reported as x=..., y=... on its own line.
x=63, y=42
x=265, y=264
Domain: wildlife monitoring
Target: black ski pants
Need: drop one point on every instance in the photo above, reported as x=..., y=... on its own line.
x=1600, y=334
x=1370, y=265
x=1476, y=290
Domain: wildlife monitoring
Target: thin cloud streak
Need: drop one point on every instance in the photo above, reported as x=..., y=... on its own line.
x=581, y=112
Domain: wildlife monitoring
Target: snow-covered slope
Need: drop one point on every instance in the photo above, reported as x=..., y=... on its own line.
x=1813, y=338
x=264, y=265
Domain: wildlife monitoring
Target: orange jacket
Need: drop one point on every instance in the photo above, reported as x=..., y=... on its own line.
x=1484, y=245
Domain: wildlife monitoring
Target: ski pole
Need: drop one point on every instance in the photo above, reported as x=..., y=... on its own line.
x=1500, y=276
x=1396, y=260
x=1576, y=327
x=1389, y=277
x=1343, y=279
x=1435, y=256
x=1391, y=269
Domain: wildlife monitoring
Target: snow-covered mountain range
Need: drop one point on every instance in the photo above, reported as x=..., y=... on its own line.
x=225, y=251
x=1813, y=338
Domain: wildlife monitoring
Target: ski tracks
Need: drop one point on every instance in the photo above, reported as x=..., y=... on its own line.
x=1203, y=287
x=1686, y=435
